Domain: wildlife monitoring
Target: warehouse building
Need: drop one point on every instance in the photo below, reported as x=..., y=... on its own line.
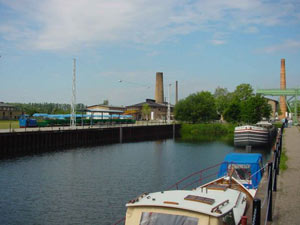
x=8, y=112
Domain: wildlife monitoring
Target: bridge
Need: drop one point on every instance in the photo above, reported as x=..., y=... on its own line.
x=293, y=93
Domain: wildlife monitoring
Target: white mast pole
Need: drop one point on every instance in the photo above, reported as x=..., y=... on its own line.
x=73, y=105
x=169, y=107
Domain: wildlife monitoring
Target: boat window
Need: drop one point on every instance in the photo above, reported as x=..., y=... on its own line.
x=241, y=172
x=151, y=218
x=228, y=219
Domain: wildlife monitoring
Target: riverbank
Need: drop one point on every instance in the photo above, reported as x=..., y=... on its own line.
x=46, y=140
x=287, y=207
x=207, y=132
x=9, y=124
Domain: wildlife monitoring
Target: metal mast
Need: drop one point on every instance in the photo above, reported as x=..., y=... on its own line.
x=169, y=108
x=73, y=105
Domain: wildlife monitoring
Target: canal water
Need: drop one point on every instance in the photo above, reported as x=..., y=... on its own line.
x=92, y=185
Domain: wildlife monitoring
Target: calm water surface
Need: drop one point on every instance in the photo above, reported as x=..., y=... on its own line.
x=92, y=185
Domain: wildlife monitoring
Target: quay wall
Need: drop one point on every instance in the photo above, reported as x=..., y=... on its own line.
x=25, y=143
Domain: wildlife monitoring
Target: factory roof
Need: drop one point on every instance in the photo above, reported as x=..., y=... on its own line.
x=102, y=110
x=151, y=103
x=107, y=106
x=2, y=104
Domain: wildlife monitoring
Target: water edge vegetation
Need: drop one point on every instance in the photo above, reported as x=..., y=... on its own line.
x=207, y=132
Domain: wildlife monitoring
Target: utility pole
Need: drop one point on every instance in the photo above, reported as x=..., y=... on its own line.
x=73, y=105
x=169, y=106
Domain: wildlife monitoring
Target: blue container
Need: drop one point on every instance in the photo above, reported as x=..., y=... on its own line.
x=31, y=123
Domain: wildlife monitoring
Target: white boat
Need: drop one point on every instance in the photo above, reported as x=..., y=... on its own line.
x=259, y=134
x=221, y=201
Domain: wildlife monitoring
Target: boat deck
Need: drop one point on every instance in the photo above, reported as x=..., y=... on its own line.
x=209, y=201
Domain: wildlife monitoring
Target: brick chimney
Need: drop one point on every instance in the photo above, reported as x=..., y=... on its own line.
x=282, y=87
x=159, y=88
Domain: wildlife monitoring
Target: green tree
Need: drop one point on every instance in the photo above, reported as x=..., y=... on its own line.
x=222, y=100
x=199, y=107
x=254, y=109
x=146, y=111
x=232, y=113
x=105, y=102
x=243, y=92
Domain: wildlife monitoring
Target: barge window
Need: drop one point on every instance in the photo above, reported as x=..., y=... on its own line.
x=151, y=218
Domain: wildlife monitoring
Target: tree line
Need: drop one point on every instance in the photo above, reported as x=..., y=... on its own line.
x=49, y=108
x=241, y=105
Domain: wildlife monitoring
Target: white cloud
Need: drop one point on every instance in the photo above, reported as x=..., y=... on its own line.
x=64, y=25
x=288, y=45
x=218, y=42
x=251, y=30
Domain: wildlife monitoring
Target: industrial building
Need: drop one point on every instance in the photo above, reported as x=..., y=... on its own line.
x=158, y=111
x=104, y=110
x=8, y=112
x=158, y=107
x=274, y=105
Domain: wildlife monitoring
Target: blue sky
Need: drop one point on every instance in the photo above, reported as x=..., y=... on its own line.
x=201, y=43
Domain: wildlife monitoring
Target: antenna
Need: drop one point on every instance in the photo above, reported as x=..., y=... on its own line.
x=73, y=105
x=169, y=114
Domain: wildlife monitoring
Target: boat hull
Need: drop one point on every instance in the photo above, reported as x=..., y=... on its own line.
x=253, y=136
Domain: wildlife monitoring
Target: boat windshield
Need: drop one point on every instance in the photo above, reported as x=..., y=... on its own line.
x=241, y=172
x=151, y=218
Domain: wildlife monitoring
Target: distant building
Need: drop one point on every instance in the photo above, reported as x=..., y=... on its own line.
x=104, y=110
x=158, y=111
x=274, y=104
x=8, y=112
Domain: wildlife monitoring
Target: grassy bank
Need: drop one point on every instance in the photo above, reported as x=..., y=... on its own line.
x=283, y=160
x=278, y=124
x=207, y=132
x=6, y=124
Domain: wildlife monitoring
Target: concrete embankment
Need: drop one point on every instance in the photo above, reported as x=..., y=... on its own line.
x=287, y=202
x=25, y=143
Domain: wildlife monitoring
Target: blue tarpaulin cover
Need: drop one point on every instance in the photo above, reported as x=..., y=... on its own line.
x=252, y=159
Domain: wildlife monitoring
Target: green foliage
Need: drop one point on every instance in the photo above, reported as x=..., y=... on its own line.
x=233, y=112
x=247, y=107
x=283, y=160
x=254, y=108
x=222, y=99
x=242, y=105
x=211, y=131
x=7, y=124
x=146, y=111
x=243, y=92
x=105, y=102
x=199, y=107
x=50, y=108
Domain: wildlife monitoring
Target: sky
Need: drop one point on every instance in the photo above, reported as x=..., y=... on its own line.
x=119, y=45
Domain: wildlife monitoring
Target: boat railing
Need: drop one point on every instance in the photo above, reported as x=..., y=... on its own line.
x=208, y=174
x=197, y=178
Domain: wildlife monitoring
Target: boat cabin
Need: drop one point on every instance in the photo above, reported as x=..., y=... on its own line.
x=201, y=206
x=244, y=167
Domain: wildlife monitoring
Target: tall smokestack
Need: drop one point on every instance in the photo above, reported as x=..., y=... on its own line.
x=282, y=87
x=176, y=92
x=159, y=88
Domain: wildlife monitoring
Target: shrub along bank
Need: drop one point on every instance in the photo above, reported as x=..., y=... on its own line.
x=207, y=132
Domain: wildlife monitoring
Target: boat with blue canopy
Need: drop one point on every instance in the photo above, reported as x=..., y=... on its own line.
x=221, y=201
x=246, y=168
